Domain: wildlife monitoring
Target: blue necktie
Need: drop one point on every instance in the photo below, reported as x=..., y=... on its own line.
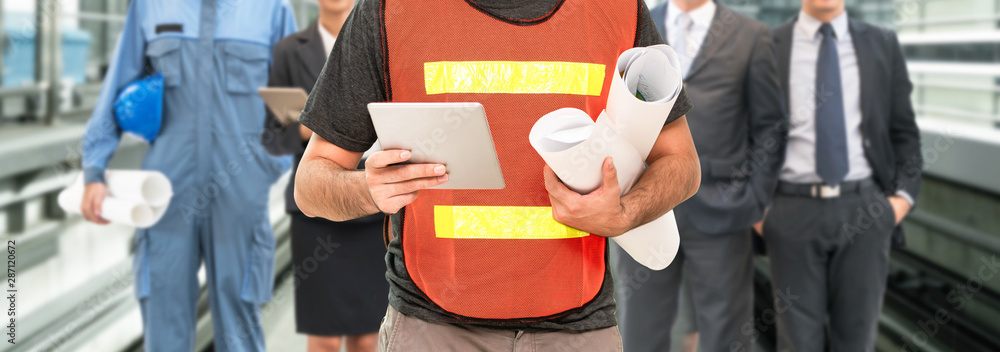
x=831, y=134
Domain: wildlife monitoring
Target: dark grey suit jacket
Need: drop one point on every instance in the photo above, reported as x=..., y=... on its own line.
x=737, y=123
x=888, y=126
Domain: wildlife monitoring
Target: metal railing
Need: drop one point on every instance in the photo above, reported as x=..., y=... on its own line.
x=80, y=312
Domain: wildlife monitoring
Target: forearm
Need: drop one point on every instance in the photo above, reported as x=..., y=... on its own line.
x=100, y=141
x=669, y=181
x=327, y=190
x=767, y=151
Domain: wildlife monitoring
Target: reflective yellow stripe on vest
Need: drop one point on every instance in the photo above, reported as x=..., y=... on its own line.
x=483, y=222
x=531, y=77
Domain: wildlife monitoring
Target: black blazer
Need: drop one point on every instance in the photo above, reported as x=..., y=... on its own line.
x=298, y=61
x=736, y=122
x=888, y=126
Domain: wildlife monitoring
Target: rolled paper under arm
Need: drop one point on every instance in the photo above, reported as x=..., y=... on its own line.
x=128, y=199
x=575, y=147
x=639, y=103
x=140, y=186
x=112, y=209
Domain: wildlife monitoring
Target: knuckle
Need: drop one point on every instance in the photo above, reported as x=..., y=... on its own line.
x=401, y=173
x=430, y=183
x=411, y=173
x=405, y=188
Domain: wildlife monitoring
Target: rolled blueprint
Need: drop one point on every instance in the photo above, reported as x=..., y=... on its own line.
x=572, y=145
x=144, y=187
x=125, y=203
x=639, y=102
x=643, y=93
x=114, y=210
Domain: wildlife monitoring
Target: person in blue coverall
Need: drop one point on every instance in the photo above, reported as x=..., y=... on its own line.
x=213, y=55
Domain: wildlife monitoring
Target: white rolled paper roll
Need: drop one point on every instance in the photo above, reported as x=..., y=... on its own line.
x=641, y=97
x=643, y=93
x=135, y=197
x=575, y=147
x=112, y=209
x=655, y=244
x=140, y=186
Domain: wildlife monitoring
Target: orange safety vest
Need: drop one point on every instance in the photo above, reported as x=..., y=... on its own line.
x=497, y=254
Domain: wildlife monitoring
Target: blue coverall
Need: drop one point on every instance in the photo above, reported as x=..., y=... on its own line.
x=213, y=54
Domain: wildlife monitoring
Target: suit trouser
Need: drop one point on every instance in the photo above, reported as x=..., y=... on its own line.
x=829, y=258
x=719, y=268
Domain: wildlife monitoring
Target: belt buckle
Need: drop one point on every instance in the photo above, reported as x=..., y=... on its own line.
x=825, y=191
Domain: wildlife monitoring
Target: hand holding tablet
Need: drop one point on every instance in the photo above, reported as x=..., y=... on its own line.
x=393, y=183
x=286, y=103
x=455, y=135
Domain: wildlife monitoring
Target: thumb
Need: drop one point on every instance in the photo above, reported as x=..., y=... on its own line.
x=96, y=201
x=610, y=174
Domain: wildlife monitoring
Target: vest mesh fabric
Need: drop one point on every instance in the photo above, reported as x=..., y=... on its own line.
x=502, y=278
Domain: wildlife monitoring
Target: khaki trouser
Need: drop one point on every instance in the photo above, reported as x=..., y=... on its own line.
x=403, y=333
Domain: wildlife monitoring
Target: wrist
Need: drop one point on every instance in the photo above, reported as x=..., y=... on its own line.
x=93, y=175
x=625, y=222
x=369, y=206
x=905, y=196
x=902, y=201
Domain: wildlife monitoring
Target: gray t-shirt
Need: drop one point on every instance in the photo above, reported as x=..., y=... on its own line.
x=337, y=110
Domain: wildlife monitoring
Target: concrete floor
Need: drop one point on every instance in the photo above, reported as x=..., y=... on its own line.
x=279, y=322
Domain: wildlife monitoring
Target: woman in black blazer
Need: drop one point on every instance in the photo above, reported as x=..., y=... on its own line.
x=339, y=266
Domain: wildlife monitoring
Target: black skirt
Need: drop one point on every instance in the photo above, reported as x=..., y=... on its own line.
x=340, y=275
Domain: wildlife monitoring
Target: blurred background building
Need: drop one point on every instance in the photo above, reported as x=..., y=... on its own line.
x=75, y=283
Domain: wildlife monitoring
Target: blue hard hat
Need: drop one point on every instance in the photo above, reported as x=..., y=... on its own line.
x=139, y=107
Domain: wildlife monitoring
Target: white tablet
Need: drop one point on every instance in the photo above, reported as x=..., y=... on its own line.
x=286, y=103
x=454, y=134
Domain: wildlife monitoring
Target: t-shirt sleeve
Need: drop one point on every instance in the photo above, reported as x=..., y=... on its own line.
x=647, y=35
x=353, y=76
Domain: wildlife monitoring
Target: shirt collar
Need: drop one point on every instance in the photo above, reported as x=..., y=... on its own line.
x=809, y=26
x=328, y=39
x=701, y=16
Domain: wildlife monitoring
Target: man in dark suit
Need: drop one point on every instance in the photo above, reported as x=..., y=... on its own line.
x=340, y=286
x=851, y=173
x=728, y=64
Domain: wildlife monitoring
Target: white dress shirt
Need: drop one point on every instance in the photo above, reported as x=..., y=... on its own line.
x=701, y=20
x=800, y=157
x=328, y=39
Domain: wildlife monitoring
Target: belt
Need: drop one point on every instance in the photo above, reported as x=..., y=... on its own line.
x=821, y=190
